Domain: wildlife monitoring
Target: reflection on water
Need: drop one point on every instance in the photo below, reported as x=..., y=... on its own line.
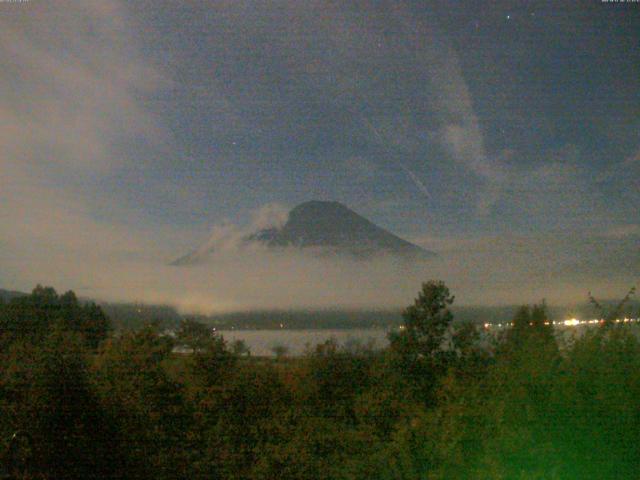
x=261, y=342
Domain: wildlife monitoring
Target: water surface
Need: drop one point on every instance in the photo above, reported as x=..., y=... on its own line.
x=261, y=342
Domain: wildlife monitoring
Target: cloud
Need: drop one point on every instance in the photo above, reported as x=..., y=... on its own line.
x=77, y=107
x=505, y=269
x=621, y=171
x=421, y=45
x=461, y=134
x=558, y=191
x=269, y=215
x=229, y=237
x=558, y=266
x=622, y=231
x=75, y=85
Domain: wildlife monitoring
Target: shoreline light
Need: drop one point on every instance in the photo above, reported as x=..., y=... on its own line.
x=570, y=322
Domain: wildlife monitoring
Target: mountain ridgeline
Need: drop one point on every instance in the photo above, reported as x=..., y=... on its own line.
x=326, y=228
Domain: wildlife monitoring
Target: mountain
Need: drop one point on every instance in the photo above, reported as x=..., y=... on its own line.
x=326, y=228
x=7, y=295
x=335, y=227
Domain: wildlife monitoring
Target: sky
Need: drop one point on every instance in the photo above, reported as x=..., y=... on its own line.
x=503, y=135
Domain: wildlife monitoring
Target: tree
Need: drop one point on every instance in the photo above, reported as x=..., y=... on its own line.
x=532, y=331
x=470, y=356
x=240, y=348
x=194, y=334
x=335, y=378
x=597, y=404
x=46, y=393
x=213, y=361
x=280, y=351
x=34, y=316
x=134, y=387
x=419, y=344
x=609, y=317
x=427, y=320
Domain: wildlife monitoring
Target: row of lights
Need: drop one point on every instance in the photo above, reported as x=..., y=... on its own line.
x=571, y=322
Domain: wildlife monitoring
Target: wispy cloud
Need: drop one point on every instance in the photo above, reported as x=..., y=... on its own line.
x=426, y=49
x=75, y=85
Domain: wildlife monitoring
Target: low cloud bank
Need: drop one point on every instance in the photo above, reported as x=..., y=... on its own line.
x=480, y=271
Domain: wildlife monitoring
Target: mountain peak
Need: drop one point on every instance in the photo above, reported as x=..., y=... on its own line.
x=313, y=205
x=330, y=227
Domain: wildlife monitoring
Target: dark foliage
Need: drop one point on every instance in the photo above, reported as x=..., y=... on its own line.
x=33, y=317
x=442, y=402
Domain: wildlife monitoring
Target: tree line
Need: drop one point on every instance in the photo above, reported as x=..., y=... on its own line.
x=443, y=401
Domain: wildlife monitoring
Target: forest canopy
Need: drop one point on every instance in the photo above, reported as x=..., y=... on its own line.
x=442, y=401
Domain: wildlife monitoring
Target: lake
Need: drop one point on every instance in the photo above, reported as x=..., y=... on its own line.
x=260, y=342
